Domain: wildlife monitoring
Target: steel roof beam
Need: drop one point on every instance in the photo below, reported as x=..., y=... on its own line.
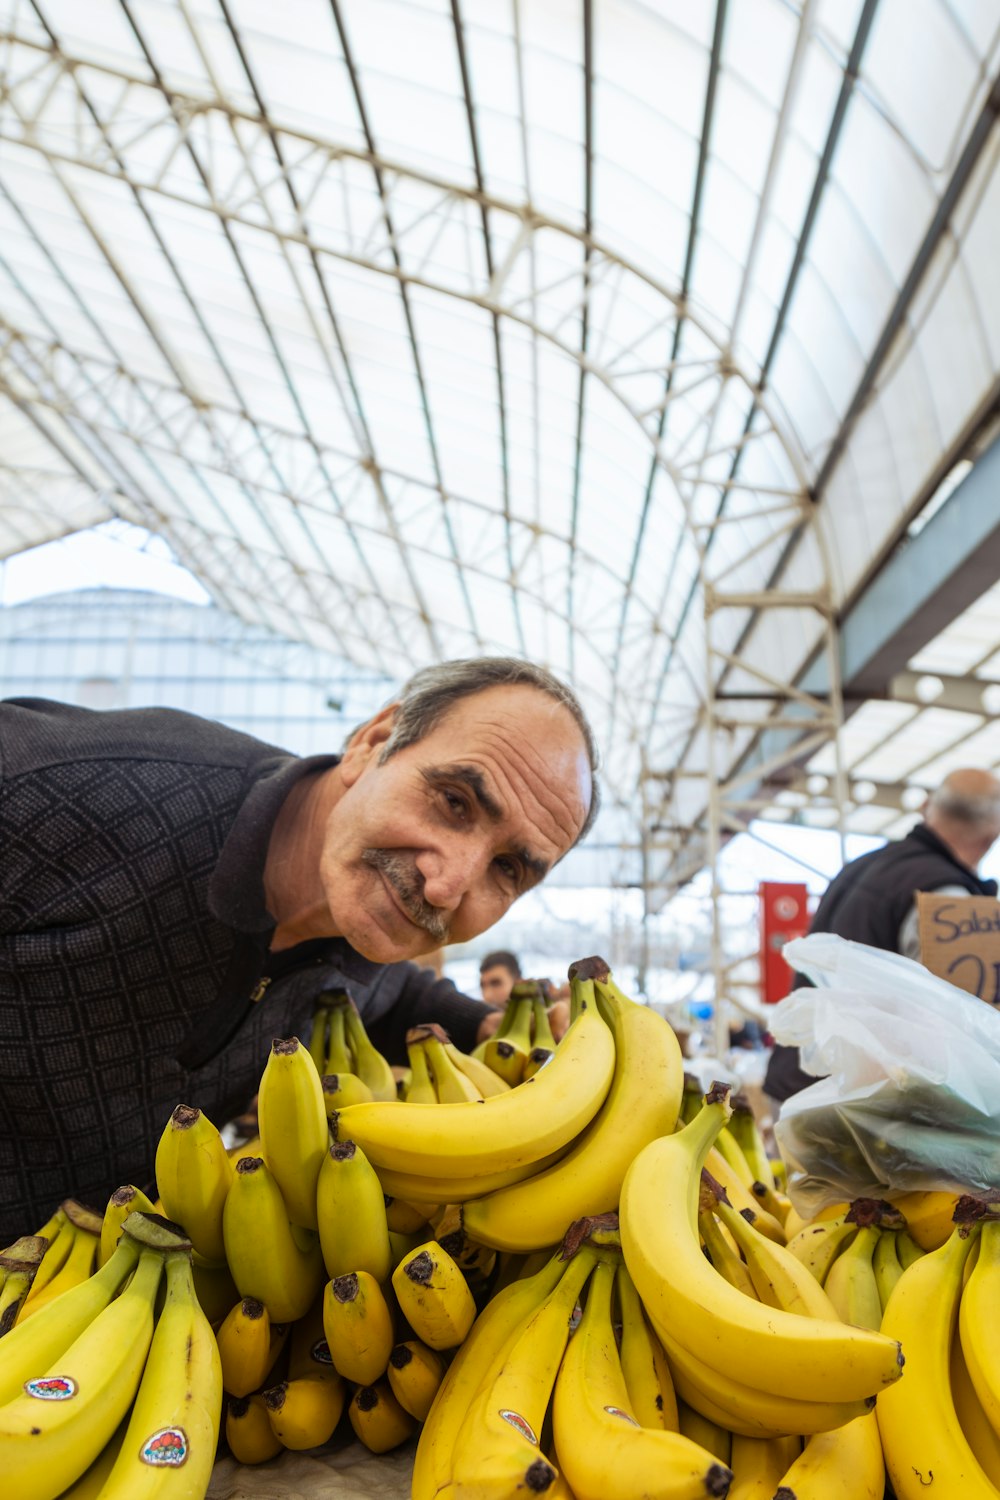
x=924, y=586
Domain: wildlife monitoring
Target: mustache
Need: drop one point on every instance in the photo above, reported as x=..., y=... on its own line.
x=408, y=885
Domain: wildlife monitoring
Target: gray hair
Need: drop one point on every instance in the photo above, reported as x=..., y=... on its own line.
x=430, y=693
x=979, y=810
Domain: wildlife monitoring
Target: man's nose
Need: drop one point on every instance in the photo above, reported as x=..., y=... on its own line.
x=449, y=875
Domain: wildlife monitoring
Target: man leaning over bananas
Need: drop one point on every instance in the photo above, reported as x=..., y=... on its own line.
x=158, y=865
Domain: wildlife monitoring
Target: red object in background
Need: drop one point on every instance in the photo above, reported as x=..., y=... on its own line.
x=784, y=914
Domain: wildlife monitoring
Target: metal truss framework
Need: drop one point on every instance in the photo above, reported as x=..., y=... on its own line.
x=726, y=451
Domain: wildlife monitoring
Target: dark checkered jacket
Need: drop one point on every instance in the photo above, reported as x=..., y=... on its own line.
x=134, y=943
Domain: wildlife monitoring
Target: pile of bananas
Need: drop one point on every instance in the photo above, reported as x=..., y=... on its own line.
x=580, y=1278
x=113, y=1387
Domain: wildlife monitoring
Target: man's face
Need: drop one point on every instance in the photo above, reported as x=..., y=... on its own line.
x=496, y=984
x=434, y=845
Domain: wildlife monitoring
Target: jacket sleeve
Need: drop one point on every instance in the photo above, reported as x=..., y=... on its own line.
x=424, y=997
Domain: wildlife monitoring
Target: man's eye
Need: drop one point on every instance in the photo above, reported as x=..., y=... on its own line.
x=455, y=803
x=508, y=868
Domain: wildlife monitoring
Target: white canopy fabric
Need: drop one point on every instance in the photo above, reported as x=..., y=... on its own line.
x=427, y=328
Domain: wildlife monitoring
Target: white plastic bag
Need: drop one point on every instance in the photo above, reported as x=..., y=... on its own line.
x=912, y=1097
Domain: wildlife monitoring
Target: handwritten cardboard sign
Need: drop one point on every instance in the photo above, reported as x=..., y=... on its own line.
x=960, y=941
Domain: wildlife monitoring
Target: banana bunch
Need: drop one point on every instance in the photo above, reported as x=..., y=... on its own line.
x=72, y=1238
x=945, y=1420
x=508, y=1051
x=765, y=1364
x=354, y=1070
x=641, y=1104
x=116, y=1382
x=440, y=1074
x=858, y=1256
x=530, y=1406
x=437, y=1153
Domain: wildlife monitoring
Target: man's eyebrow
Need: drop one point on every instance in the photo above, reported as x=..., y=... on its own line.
x=473, y=778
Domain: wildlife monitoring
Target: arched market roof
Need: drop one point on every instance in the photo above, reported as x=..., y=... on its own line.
x=431, y=329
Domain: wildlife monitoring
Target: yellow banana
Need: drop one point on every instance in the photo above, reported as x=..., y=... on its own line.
x=535, y=1060
x=420, y=1087
x=743, y=1199
x=216, y=1290
x=479, y=1075
x=928, y=1216
x=541, y=1030
x=75, y=1269
x=378, y=1419
x=60, y=1233
x=304, y=1412
x=745, y=1132
x=979, y=1321
x=851, y=1285
x=921, y=1435
x=338, y=1053
x=55, y=1429
x=249, y=1433
x=459, y=1140
x=684, y=1296
x=176, y=1416
x=123, y=1201
x=36, y=1343
x=18, y=1269
x=434, y=1296
x=293, y=1129
x=400, y=1245
x=641, y=1104
x=818, y=1244
x=714, y=1437
x=403, y=1217
x=91, y=1482
x=471, y=1366
x=343, y=1089
x=723, y=1254
x=979, y=1432
x=359, y=1328
x=599, y=1445
x=842, y=1465
x=779, y=1279
x=644, y=1363
x=271, y=1260
x=885, y=1266
x=506, y=1051
x=309, y=1352
x=759, y=1464
x=318, y=1031
x=728, y=1147
x=193, y=1178
x=498, y=1450
x=369, y=1064
x=415, y=1373
x=743, y=1408
x=350, y=1205
x=475, y=1261
x=246, y=1348
x=451, y=1084
x=907, y=1249
x=426, y=1189
x=773, y=1203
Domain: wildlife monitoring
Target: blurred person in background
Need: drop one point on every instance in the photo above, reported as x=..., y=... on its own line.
x=498, y=973
x=873, y=899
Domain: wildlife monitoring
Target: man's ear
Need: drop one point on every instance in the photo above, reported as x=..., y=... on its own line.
x=365, y=744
